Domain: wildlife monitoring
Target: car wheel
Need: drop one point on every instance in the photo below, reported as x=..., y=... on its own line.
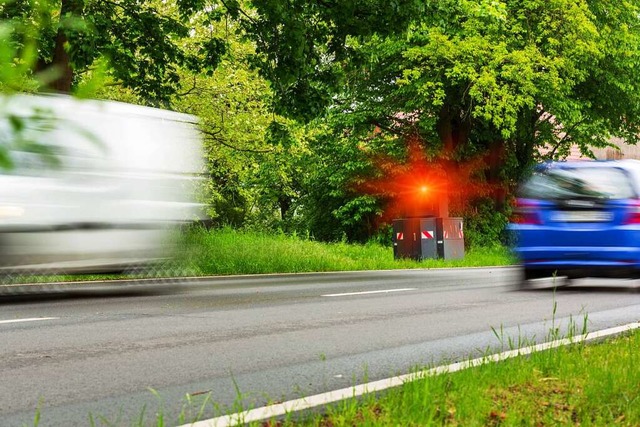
x=530, y=274
x=534, y=273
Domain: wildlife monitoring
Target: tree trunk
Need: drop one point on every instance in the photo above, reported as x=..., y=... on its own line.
x=526, y=140
x=453, y=131
x=69, y=9
x=495, y=161
x=284, y=203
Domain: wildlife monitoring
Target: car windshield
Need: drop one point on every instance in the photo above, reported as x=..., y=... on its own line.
x=583, y=182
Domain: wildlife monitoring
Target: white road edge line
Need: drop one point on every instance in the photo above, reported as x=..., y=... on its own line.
x=33, y=319
x=271, y=411
x=384, y=291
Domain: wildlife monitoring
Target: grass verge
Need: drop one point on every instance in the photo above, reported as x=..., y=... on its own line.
x=580, y=384
x=227, y=252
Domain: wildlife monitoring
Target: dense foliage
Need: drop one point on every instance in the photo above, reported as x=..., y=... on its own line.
x=141, y=40
x=488, y=85
x=310, y=110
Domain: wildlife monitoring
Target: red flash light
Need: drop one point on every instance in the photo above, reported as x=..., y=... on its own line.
x=420, y=186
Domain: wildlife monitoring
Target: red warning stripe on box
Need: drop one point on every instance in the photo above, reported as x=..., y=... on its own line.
x=427, y=234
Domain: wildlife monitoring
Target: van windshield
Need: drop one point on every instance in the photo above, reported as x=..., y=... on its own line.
x=608, y=183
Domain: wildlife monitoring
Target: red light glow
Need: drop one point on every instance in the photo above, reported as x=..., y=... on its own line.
x=421, y=187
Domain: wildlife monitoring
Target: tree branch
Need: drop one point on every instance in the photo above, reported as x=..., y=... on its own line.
x=241, y=11
x=214, y=136
x=194, y=87
x=564, y=138
x=385, y=127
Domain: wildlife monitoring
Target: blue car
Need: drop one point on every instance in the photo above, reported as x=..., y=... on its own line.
x=579, y=219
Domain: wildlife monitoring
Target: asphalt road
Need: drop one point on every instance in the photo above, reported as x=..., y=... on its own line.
x=254, y=339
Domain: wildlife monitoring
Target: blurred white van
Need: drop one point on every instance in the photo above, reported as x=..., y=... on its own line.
x=95, y=186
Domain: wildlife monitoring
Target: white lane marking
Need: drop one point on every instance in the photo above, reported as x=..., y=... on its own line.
x=384, y=291
x=32, y=319
x=271, y=411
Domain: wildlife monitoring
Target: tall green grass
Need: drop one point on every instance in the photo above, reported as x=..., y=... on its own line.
x=589, y=385
x=228, y=251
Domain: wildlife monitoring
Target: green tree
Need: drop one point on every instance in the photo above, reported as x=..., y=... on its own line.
x=233, y=105
x=143, y=41
x=560, y=72
x=507, y=82
x=301, y=45
x=251, y=152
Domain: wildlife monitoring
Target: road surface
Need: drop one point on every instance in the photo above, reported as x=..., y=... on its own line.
x=254, y=339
